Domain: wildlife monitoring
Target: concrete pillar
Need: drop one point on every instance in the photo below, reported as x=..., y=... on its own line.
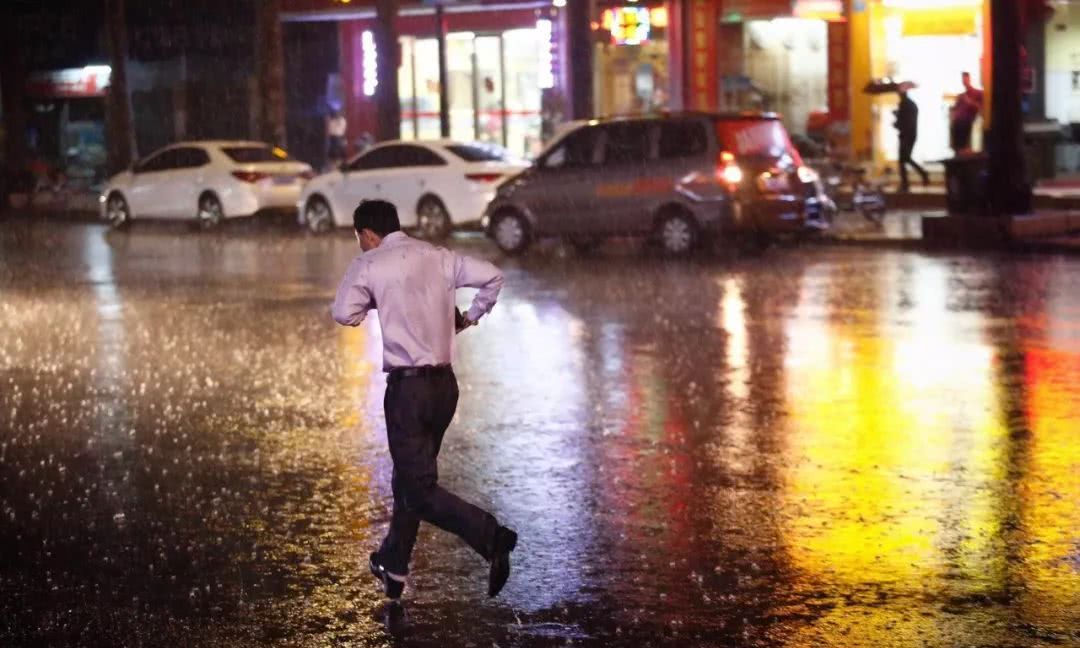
x=861, y=72
x=271, y=71
x=444, y=74
x=1008, y=190
x=387, y=101
x=580, y=59
x=119, y=123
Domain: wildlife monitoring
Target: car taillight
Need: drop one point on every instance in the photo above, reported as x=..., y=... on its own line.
x=483, y=177
x=728, y=172
x=249, y=176
x=307, y=175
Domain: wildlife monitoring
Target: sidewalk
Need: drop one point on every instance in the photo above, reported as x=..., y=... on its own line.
x=903, y=229
x=1056, y=194
x=72, y=203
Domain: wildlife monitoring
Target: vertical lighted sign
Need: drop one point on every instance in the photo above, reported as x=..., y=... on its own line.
x=370, y=63
x=544, y=33
x=702, y=49
x=838, y=71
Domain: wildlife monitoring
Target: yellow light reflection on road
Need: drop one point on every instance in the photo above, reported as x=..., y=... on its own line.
x=358, y=365
x=897, y=457
x=1050, y=495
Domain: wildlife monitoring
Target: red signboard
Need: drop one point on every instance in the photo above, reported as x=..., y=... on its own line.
x=702, y=53
x=89, y=81
x=839, y=110
x=750, y=9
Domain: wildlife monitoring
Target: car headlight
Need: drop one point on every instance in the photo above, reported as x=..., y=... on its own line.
x=807, y=175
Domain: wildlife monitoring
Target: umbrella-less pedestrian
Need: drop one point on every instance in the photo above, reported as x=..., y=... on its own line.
x=412, y=283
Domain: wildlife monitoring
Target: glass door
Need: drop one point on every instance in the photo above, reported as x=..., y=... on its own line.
x=493, y=85
x=426, y=83
x=490, y=118
x=521, y=71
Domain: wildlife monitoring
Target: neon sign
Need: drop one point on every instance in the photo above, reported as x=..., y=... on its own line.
x=627, y=25
x=544, y=31
x=370, y=63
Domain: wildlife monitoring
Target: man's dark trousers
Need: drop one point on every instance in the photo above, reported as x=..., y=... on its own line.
x=418, y=409
x=907, y=147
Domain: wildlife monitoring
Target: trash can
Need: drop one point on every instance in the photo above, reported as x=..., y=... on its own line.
x=1040, y=143
x=965, y=184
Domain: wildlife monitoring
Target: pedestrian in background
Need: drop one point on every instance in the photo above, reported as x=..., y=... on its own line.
x=411, y=283
x=336, y=144
x=907, y=127
x=964, y=112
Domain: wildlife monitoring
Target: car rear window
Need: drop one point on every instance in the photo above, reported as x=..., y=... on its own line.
x=679, y=139
x=480, y=152
x=763, y=138
x=251, y=154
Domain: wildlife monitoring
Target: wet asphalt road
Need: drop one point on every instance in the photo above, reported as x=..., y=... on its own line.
x=807, y=447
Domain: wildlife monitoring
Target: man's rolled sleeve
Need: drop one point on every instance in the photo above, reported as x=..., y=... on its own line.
x=474, y=273
x=353, y=300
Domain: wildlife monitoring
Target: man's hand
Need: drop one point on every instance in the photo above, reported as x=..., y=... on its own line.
x=464, y=324
x=461, y=321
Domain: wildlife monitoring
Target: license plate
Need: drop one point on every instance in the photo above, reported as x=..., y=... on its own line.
x=773, y=183
x=284, y=179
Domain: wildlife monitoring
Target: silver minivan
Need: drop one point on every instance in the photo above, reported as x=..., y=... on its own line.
x=681, y=177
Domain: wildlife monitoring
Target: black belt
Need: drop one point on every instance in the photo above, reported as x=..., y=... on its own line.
x=398, y=373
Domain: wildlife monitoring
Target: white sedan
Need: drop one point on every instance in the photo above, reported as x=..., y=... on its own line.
x=435, y=185
x=205, y=181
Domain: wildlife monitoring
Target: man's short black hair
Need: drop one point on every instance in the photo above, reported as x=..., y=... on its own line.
x=378, y=216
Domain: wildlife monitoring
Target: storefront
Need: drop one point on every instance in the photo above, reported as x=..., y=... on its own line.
x=928, y=42
x=631, y=58
x=774, y=55
x=931, y=44
x=494, y=87
x=787, y=65
x=1063, y=65
x=499, y=64
x=66, y=120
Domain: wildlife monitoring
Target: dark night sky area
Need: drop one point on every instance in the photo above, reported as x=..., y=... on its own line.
x=70, y=33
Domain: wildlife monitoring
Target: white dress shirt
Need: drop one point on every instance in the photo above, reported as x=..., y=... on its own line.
x=411, y=283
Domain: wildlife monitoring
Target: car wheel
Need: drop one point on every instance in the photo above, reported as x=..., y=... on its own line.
x=117, y=214
x=211, y=214
x=432, y=219
x=677, y=233
x=510, y=232
x=317, y=215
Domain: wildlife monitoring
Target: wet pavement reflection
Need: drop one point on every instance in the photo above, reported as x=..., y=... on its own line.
x=808, y=447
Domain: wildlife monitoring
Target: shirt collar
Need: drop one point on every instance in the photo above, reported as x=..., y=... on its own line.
x=394, y=238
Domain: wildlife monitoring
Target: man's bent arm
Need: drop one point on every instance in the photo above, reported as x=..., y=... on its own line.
x=353, y=299
x=474, y=273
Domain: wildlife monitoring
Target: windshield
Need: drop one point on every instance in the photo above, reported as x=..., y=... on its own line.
x=477, y=152
x=756, y=138
x=250, y=154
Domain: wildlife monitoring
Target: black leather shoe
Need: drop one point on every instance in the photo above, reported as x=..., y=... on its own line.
x=391, y=585
x=505, y=541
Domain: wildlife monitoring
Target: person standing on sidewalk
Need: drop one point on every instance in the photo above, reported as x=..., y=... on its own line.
x=411, y=283
x=964, y=112
x=907, y=126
